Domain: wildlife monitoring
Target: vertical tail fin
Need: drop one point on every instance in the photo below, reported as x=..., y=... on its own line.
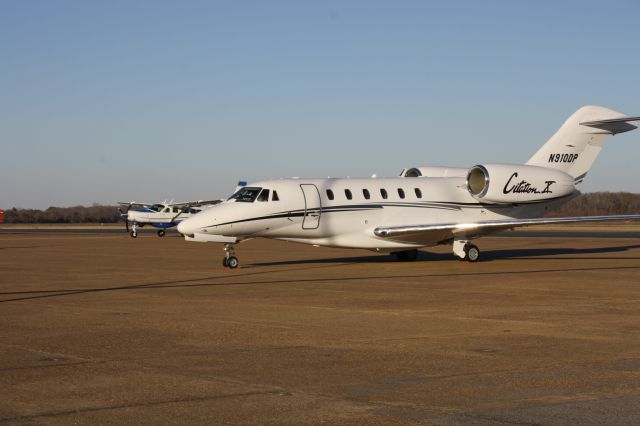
x=575, y=146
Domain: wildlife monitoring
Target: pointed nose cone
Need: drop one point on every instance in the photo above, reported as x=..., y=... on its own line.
x=186, y=227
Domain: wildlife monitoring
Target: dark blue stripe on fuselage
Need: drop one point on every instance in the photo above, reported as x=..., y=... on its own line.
x=440, y=205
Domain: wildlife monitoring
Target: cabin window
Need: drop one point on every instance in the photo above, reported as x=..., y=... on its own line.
x=366, y=194
x=383, y=192
x=166, y=210
x=275, y=197
x=347, y=193
x=246, y=195
x=176, y=210
x=418, y=193
x=264, y=195
x=329, y=194
x=401, y=193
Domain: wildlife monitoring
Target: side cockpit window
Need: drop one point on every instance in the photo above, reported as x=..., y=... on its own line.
x=275, y=197
x=246, y=195
x=264, y=195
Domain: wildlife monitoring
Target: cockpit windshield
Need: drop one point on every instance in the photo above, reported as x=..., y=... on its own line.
x=156, y=207
x=246, y=195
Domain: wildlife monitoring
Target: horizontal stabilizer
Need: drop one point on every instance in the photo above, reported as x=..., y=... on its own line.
x=614, y=125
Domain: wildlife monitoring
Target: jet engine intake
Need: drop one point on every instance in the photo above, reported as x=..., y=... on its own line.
x=434, y=172
x=511, y=183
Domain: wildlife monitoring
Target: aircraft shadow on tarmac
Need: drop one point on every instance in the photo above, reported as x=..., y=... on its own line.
x=487, y=256
x=223, y=280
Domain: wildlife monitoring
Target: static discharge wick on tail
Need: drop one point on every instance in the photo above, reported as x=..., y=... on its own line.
x=425, y=206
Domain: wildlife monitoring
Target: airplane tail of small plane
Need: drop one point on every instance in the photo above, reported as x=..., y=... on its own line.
x=575, y=146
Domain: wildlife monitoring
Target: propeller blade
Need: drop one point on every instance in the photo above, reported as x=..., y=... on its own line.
x=126, y=224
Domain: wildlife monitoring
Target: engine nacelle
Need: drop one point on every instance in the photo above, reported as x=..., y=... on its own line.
x=434, y=172
x=510, y=183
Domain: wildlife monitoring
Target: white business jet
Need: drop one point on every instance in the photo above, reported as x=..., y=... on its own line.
x=425, y=206
x=160, y=215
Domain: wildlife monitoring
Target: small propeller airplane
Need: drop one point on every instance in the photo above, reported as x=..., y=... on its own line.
x=160, y=215
x=424, y=207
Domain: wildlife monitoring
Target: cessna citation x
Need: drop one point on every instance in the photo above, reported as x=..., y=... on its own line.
x=425, y=206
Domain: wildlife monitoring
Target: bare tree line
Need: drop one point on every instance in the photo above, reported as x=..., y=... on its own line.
x=75, y=214
x=590, y=204
x=600, y=203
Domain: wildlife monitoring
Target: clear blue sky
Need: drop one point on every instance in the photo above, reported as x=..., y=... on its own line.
x=102, y=101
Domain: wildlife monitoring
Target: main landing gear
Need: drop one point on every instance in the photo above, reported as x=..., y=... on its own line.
x=161, y=233
x=230, y=260
x=134, y=231
x=466, y=251
x=406, y=255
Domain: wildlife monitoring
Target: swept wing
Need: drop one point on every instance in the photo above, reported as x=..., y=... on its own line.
x=435, y=233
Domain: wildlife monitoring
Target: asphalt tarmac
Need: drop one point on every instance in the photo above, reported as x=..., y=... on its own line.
x=105, y=329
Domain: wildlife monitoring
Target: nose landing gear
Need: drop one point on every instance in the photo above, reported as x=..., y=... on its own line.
x=230, y=260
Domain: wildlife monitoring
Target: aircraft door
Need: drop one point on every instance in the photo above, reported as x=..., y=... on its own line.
x=312, y=206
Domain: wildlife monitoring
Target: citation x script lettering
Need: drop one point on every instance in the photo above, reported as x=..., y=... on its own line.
x=524, y=186
x=423, y=207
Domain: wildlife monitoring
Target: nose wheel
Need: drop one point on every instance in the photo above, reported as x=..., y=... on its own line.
x=134, y=231
x=230, y=260
x=161, y=233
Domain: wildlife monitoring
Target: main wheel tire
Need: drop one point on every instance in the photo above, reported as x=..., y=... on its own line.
x=232, y=262
x=473, y=253
x=224, y=262
x=399, y=255
x=406, y=255
x=133, y=234
x=411, y=255
x=161, y=233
